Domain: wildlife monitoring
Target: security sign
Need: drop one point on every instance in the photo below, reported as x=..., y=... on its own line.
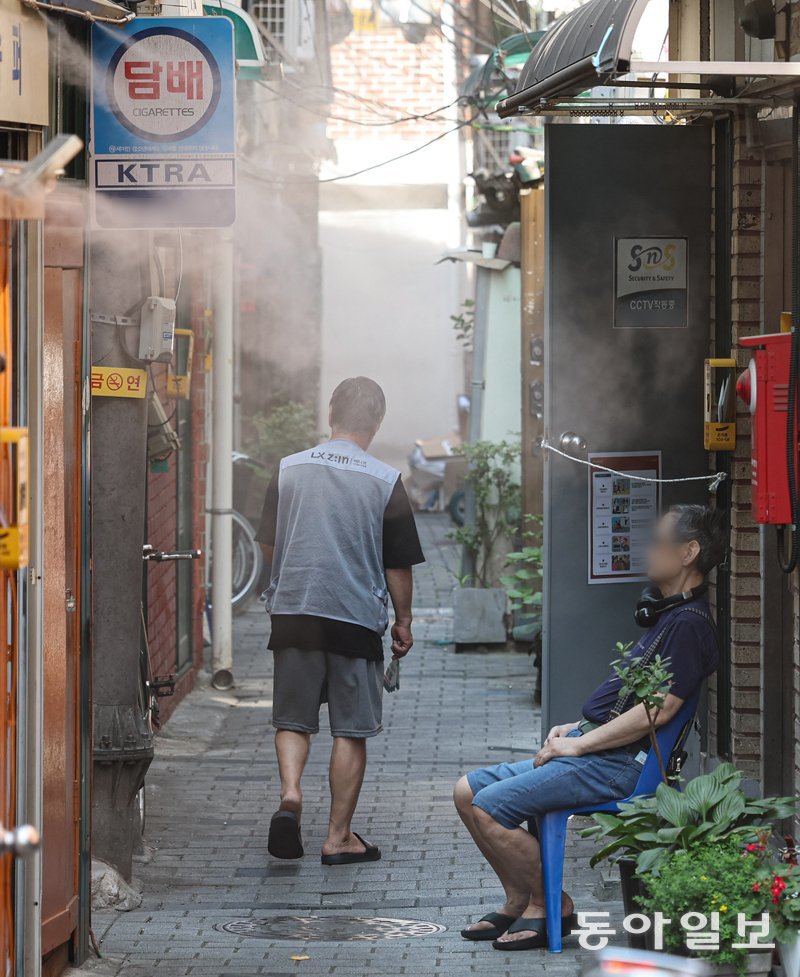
x=163, y=129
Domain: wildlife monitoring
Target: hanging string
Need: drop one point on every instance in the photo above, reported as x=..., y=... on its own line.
x=715, y=480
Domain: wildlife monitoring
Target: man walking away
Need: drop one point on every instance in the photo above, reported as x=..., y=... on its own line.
x=339, y=532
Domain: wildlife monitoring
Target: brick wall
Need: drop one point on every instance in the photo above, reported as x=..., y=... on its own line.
x=162, y=524
x=383, y=67
x=745, y=566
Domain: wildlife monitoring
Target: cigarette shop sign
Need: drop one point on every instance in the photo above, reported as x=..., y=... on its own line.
x=163, y=128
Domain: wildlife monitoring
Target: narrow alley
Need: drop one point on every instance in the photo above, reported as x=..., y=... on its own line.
x=215, y=903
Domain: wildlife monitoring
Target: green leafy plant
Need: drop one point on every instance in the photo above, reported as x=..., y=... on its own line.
x=494, y=487
x=523, y=583
x=720, y=878
x=647, y=682
x=713, y=808
x=272, y=435
x=282, y=431
x=464, y=323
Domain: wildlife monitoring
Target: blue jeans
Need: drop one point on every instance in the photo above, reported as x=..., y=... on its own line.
x=512, y=793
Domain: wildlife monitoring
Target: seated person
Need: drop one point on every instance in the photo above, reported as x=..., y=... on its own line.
x=600, y=758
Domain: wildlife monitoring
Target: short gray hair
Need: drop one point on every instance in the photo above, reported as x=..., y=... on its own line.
x=706, y=527
x=357, y=406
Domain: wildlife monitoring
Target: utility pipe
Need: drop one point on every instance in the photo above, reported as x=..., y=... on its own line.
x=222, y=468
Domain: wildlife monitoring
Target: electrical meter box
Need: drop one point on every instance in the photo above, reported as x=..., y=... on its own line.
x=157, y=329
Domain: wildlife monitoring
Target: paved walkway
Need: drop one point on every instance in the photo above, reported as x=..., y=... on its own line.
x=213, y=898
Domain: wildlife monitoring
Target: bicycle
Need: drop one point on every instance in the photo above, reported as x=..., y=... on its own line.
x=247, y=568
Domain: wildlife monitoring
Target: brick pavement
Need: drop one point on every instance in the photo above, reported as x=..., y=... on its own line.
x=213, y=787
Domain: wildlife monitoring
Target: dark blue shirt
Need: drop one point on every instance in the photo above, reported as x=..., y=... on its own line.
x=691, y=646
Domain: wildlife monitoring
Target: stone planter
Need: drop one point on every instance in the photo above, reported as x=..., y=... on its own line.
x=790, y=957
x=479, y=616
x=759, y=964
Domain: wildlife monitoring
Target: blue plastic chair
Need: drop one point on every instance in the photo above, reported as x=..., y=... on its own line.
x=553, y=826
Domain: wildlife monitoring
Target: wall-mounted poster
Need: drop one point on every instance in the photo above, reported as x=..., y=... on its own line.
x=650, y=282
x=622, y=511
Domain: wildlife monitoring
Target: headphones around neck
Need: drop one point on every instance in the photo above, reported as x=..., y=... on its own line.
x=651, y=605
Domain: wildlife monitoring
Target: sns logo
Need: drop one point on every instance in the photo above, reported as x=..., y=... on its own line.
x=652, y=257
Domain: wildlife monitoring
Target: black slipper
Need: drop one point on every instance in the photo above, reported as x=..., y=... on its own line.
x=372, y=854
x=500, y=924
x=284, y=839
x=537, y=926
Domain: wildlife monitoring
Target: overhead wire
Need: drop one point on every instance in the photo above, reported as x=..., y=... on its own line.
x=411, y=117
x=364, y=169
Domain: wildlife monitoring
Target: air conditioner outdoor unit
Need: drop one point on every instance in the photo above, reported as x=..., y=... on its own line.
x=290, y=22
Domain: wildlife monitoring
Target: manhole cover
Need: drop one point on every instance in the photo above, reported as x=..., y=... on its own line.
x=331, y=929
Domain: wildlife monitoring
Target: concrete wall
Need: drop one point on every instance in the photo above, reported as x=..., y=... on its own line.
x=386, y=308
x=386, y=303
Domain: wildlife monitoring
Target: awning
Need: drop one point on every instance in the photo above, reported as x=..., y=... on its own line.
x=248, y=49
x=583, y=49
x=100, y=11
x=486, y=83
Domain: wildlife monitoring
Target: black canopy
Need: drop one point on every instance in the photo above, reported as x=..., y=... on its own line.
x=585, y=48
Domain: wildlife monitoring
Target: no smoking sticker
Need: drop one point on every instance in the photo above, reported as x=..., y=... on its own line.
x=117, y=381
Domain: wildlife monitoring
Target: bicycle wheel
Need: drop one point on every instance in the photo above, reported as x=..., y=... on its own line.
x=248, y=562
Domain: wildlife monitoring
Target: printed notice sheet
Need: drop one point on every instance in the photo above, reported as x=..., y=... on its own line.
x=622, y=511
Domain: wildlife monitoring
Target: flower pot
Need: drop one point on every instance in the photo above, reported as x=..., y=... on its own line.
x=631, y=888
x=758, y=963
x=790, y=957
x=479, y=616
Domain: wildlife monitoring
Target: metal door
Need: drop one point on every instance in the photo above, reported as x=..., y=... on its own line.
x=622, y=386
x=61, y=432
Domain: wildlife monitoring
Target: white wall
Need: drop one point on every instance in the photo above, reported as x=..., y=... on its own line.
x=386, y=309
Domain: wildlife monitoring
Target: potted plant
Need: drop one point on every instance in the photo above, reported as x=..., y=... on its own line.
x=492, y=521
x=646, y=831
x=646, y=682
x=523, y=581
x=779, y=882
x=724, y=891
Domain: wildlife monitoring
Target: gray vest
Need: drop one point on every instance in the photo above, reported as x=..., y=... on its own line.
x=329, y=541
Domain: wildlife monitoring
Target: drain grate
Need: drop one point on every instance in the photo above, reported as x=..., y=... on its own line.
x=331, y=929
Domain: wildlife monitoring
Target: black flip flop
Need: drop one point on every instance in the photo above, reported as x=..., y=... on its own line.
x=537, y=926
x=372, y=854
x=284, y=839
x=500, y=924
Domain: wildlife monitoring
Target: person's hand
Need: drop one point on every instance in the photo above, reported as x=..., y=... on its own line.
x=555, y=732
x=402, y=640
x=562, y=730
x=557, y=747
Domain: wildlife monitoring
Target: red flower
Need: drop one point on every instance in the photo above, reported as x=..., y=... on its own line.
x=756, y=887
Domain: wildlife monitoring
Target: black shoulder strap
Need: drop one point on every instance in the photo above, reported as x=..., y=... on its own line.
x=650, y=651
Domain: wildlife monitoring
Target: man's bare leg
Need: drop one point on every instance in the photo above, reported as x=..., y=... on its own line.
x=348, y=763
x=292, y=750
x=518, y=856
x=514, y=857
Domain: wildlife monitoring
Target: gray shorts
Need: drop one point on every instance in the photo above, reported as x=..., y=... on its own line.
x=352, y=687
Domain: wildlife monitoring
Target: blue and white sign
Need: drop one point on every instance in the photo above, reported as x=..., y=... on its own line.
x=163, y=123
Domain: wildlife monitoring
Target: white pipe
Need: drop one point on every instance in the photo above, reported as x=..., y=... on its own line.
x=222, y=468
